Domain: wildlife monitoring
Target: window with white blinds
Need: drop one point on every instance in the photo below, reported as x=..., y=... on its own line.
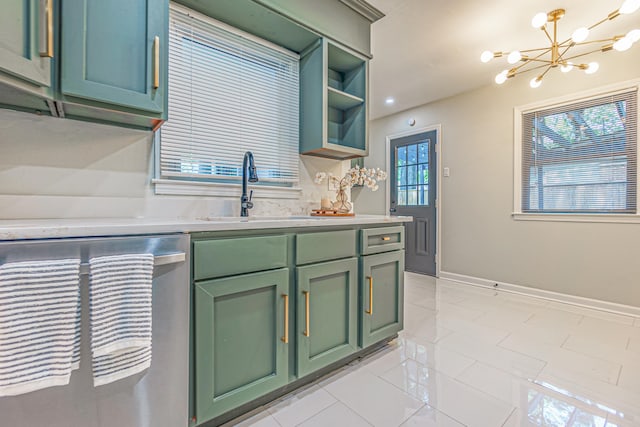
x=228, y=93
x=581, y=157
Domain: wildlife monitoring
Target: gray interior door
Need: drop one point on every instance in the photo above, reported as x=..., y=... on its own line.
x=413, y=192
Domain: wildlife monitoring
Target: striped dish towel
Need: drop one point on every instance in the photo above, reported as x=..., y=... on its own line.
x=120, y=312
x=39, y=324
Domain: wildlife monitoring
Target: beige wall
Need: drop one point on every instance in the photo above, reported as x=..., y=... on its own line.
x=58, y=168
x=479, y=236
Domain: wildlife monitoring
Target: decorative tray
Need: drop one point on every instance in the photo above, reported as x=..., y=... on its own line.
x=329, y=212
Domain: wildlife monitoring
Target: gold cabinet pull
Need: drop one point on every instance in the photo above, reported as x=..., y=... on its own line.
x=370, y=311
x=285, y=338
x=386, y=238
x=46, y=28
x=306, y=331
x=156, y=62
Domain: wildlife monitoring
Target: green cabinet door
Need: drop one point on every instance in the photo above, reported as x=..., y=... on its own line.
x=327, y=303
x=20, y=41
x=382, y=291
x=240, y=333
x=115, y=52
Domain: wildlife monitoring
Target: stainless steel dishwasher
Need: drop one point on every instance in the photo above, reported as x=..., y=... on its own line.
x=157, y=397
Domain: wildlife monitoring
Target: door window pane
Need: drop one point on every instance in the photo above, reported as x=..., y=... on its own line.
x=402, y=175
x=423, y=152
x=402, y=197
x=402, y=156
x=423, y=195
x=412, y=175
x=423, y=174
x=412, y=196
x=412, y=154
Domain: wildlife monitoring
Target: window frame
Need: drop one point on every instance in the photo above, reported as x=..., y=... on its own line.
x=518, y=191
x=218, y=187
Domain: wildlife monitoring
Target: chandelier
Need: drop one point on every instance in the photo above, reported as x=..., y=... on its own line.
x=557, y=53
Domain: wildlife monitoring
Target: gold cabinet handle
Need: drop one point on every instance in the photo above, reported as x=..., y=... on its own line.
x=370, y=311
x=156, y=62
x=46, y=28
x=306, y=331
x=386, y=238
x=285, y=338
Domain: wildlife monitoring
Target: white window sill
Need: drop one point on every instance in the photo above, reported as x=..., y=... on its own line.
x=608, y=218
x=215, y=189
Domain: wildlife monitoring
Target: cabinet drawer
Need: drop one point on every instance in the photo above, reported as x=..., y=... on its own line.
x=226, y=257
x=325, y=246
x=384, y=239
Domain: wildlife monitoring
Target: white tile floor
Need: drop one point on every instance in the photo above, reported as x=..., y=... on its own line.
x=471, y=356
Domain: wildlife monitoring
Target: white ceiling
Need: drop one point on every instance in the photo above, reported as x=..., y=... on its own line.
x=426, y=50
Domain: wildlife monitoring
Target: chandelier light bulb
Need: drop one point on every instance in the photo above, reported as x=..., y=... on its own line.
x=580, y=34
x=622, y=44
x=502, y=77
x=539, y=20
x=629, y=6
x=514, y=57
x=633, y=35
x=592, y=67
x=486, y=56
x=565, y=68
x=535, y=82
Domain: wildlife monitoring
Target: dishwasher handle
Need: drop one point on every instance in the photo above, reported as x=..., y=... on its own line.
x=170, y=258
x=157, y=260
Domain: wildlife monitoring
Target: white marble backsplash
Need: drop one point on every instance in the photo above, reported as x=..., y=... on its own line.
x=61, y=168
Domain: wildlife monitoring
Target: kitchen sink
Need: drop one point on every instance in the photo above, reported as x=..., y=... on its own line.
x=260, y=218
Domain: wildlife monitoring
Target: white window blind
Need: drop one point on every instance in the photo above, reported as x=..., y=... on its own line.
x=228, y=93
x=581, y=157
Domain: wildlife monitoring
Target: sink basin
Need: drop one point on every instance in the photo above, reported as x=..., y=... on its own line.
x=258, y=218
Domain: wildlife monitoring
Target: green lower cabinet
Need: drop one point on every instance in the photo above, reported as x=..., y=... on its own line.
x=240, y=348
x=327, y=303
x=382, y=291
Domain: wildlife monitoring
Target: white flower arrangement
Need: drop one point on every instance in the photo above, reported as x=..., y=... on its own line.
x=368, y=177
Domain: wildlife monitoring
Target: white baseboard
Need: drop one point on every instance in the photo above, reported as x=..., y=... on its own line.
x=611, y=307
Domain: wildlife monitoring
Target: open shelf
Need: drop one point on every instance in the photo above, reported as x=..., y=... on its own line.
x=346, y=127
x=343, y=100
x=336, y=128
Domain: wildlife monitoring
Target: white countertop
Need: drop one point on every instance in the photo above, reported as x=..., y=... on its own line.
x=97, y=227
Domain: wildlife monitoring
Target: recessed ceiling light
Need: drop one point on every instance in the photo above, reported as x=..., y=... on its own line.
x=389, y=101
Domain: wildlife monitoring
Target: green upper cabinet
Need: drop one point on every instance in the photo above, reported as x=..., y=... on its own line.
x=22, y=40
x=327, y=325
x=115, y=52
x=241, y=340
x=26, y=48
x=382, y=290
x=333, y=102
x=94, y=60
